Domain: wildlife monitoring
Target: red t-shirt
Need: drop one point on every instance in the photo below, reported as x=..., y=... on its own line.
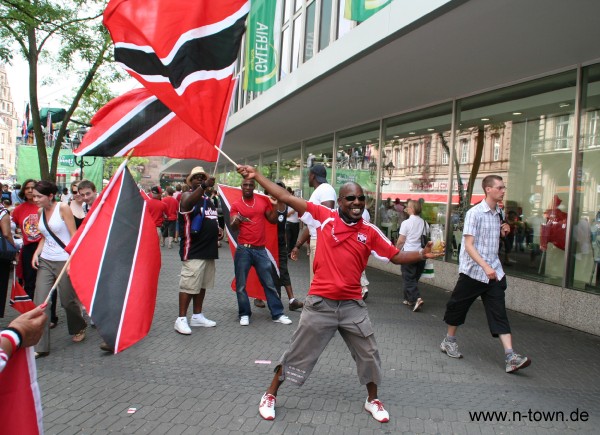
x=25, y=216
x=172, y=207
x=158, y=210
x=342, y=252
x=253, y=232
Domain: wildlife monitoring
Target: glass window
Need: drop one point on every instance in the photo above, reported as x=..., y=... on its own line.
x=296, y=42
x=445, y=156
x=356, y=156
x=286, y=11
x=325, y=28
x=309, y=35
x=423, y=137
x=496, y=147
x=585, y=241
x=464, y=151
x=317, y=151
x=533, y=124
x=297, y=5
x=290, y=167
x=344, y=24
x=285, y=53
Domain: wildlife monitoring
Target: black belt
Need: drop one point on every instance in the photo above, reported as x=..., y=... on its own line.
x=248, y=245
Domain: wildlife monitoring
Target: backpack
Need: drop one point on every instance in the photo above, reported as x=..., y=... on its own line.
x=197, y=218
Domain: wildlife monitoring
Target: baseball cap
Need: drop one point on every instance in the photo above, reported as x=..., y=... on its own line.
x=320, y=173
x=156, y=189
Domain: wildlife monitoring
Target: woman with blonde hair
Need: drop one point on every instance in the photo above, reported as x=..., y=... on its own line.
x=76, y=204
x=409, y=239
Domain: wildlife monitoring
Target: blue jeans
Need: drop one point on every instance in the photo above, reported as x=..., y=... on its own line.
x=244, y=259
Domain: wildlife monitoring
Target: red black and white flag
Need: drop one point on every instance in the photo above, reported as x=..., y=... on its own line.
x=183, y=52
x=20, y=400
x=115, y=263
x=138, y=120
x=229, y=195
x=19, y=299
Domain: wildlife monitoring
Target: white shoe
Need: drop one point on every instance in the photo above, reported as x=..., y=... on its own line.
x=244, y=321
x=202, y=321
x=376, y=409
x=283, y=319
x=181, y=326
x=266, y=408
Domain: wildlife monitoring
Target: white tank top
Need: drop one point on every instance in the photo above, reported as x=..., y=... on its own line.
x=52, y=251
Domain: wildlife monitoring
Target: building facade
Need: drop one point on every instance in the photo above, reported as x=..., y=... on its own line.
x=8, y=129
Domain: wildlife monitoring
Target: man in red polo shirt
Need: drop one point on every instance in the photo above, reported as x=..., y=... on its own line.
x=169, y=223
x=157, y=210
x=334, y=302
x=250, y=214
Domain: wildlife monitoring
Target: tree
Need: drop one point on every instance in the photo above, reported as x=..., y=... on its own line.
x=136, y=166
x=35, y=26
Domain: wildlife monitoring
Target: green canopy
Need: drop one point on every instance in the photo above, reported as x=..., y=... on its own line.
x=56, y=114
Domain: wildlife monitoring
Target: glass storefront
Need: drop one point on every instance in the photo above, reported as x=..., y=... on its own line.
x=525, y=133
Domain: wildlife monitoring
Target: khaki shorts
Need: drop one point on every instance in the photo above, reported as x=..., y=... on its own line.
x=196, y=275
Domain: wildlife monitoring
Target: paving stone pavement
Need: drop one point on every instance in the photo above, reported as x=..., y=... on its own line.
x=210, y=383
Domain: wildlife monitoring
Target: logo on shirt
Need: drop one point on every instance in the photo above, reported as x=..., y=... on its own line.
x=280, y=218
x=362, y=238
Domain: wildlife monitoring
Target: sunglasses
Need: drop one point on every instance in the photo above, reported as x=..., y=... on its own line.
x=353, y=198
x=74, y=192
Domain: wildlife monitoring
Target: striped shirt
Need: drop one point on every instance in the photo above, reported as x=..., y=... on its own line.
x=483, y=224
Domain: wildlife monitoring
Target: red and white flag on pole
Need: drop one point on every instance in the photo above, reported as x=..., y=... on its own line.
x=230, y=195
x=182, y=52
x=19, y=299
x=20, y=401
x=115, y=263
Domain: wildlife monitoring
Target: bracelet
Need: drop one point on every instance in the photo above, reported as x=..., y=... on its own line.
x=421, y=254
x=13, y=336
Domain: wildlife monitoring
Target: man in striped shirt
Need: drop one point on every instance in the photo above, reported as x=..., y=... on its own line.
x=481, y=274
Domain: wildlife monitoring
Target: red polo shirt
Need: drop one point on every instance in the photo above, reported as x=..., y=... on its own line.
x=342, y=252
x=172, y=207
x=253, y=232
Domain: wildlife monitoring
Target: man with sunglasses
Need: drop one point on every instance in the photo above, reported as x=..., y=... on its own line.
x=334, y=302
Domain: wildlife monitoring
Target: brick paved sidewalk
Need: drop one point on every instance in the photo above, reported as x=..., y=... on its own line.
x=209, y=382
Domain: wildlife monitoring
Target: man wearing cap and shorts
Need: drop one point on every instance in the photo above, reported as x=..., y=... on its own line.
x=334, y=302
x=324, y=194
x=198, y=250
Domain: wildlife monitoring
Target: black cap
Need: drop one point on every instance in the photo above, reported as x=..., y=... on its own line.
x=320, y=173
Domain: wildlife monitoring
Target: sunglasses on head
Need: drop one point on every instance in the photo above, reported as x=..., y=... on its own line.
x=352, y=198
x=74, y=192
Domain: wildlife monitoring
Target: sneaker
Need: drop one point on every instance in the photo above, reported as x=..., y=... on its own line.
x=258, y=303
x=405, y=302
x=418, y=304
x=365, y=293
x=106, y=348
x=296, y=305
x=202, y=321
x=515, y=362
x=266, y=408
x=181, y=326
x=244, y=320
x=375, y=407
x=451, y=349
x=283, y=319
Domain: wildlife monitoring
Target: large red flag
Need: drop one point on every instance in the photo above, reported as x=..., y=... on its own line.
x=230, y=195
x=115, y=263
x=183, y=52
x=20, y=401
x=138, y=120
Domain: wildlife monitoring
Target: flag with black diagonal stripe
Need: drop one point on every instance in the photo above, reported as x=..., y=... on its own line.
x=115, y=263
x=140, y=122
x=183, y=52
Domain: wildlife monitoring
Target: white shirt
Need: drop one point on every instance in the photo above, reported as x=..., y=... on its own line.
x=325, y=192
x=412, y=228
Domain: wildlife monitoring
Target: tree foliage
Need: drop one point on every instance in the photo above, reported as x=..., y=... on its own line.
x=69, y=35
x=136, y=166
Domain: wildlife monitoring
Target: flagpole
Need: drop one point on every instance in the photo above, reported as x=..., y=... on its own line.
x=226, y=156
x=90, y=221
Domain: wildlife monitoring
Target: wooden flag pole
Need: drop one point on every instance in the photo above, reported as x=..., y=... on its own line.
x=226, y=156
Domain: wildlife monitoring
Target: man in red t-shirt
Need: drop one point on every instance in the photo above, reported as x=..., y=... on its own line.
x=250, y=214
x=169, y=223
x=334, y=303
x=158, y=210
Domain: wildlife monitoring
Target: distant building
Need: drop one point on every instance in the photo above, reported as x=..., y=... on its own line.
x=8, y=129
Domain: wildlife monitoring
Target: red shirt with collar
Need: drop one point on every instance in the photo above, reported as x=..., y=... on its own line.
x=343, y=252
x=172, y=207
x=157, y=209
x=252, y=233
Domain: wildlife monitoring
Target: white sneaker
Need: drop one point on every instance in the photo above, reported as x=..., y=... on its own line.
x=283, y=319
x=266, y=408
x=375, y=407
x=244, y=320
x=202, y=321
x=181, y=326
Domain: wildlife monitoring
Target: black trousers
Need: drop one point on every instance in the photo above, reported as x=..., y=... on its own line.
x=292, y=229
x=464, y=294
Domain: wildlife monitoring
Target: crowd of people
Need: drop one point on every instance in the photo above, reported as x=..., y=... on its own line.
x=340, y=238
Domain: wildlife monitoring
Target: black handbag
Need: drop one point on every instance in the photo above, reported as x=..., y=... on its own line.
x=425, y=235
x=8, y=251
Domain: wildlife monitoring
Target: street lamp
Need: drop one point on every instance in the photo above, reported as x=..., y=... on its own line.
x=75, y=142
x=390, y=171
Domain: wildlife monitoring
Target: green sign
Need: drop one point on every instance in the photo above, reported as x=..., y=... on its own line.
x=360, y=10
x=261, y=56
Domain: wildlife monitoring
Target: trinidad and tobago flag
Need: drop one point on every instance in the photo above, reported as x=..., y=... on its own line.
x=19, y=299
x=230, y=195
x=182, y=52
x=20, y=400
x=115, y=263
x=138, y=120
